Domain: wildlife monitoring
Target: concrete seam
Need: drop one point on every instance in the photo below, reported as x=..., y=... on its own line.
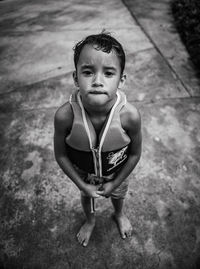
x=165, y=99
x=144, y=102
x=157, y=48
x=10, y=32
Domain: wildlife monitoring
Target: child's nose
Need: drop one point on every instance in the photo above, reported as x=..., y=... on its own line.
x=98, y=80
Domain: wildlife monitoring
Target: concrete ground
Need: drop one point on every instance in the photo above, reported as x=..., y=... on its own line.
x=40, y=209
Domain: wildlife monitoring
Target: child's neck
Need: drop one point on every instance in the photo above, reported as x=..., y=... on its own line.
x=98, y=116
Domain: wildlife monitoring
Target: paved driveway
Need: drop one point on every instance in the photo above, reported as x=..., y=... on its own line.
x=40, y=207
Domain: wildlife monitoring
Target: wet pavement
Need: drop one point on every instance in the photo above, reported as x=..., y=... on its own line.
x=39, y=206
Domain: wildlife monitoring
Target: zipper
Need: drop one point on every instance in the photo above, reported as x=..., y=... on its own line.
x=96, y=152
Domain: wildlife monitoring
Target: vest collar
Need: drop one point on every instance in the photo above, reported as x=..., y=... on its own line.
x=91, y=133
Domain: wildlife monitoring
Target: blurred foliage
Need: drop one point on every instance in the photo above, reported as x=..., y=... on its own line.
x=187, y=19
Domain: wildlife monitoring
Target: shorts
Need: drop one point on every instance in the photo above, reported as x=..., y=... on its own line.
x=118, y=193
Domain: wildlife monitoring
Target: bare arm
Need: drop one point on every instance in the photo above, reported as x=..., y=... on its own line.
x=62, y=127
x=131, y=122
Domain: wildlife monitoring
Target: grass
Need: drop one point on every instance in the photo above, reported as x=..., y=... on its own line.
x=187, y=20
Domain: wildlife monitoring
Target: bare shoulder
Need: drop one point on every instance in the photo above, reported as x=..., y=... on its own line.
x=63, y=117
x=130, y=118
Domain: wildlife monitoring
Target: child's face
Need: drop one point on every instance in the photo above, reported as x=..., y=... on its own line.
x=98, y=76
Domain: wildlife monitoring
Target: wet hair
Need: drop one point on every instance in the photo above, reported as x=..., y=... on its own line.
x=104, y=42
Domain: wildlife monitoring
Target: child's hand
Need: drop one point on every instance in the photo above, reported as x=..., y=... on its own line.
x=91, y=190
x=106, y=189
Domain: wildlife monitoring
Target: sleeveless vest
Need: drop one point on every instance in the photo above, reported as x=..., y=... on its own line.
x=112, y=150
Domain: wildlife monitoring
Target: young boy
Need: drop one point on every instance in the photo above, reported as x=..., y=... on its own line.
x=97, y=137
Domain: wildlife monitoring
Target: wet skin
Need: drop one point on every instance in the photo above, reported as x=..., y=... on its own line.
x=98, y=77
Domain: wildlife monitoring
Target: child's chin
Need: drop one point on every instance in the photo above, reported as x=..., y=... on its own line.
x=98, y=100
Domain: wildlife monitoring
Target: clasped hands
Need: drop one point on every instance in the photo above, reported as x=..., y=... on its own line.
x=95, y=191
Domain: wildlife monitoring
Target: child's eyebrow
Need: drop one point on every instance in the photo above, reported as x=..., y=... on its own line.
x=86, y=66
x=111, y=68
x=90, y=66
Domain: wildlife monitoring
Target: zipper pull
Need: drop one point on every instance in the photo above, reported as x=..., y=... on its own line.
x=96, y=160
x=96, y=151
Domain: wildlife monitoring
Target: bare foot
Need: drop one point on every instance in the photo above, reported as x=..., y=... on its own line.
x=124, y=225
x=85, y=232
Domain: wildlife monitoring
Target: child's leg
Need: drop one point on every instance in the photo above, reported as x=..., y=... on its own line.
x=123, y=222
x=87, y=228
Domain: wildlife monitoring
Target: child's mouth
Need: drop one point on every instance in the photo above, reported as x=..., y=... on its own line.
x=97, y=92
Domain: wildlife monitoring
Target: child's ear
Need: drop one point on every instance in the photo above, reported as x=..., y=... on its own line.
x=122, y=81
x=75, y=78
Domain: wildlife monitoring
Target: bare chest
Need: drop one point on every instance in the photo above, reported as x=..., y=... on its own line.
x=98, y=123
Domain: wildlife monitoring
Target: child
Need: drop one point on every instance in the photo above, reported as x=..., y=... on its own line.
x=97, y=139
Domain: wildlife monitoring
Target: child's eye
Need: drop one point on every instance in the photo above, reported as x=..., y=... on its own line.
x=109, y=74
x=87, y=73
